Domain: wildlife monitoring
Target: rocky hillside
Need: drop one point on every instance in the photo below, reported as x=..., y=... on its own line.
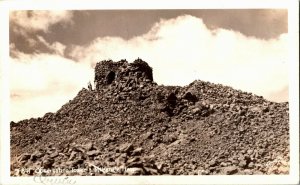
x=129, y=125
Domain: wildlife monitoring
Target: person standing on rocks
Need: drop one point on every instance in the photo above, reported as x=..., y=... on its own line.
x=90, y=86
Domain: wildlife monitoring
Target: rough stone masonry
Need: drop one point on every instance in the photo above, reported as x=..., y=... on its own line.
x=130, y=125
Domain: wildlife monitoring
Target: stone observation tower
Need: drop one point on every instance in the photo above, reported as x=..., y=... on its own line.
x=107, y=72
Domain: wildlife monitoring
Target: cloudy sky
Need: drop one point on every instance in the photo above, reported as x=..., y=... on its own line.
x=53, y=52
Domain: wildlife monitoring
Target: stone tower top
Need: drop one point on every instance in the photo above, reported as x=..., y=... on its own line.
x=107, y=72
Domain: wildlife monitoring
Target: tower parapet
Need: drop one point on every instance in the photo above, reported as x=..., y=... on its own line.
x=107, y=72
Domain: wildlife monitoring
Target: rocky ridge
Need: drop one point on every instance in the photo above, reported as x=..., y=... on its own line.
x=129, y=125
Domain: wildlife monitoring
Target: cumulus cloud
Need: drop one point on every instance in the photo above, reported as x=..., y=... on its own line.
x=183, y=49
x=37, y=20
x=42, y=83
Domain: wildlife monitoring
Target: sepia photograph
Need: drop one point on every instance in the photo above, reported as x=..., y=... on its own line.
x=149, y=92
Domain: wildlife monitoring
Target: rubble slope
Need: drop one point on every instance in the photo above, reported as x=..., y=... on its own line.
x=129, y=125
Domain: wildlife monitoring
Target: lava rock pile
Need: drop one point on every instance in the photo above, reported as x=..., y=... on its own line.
x=129, y=125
